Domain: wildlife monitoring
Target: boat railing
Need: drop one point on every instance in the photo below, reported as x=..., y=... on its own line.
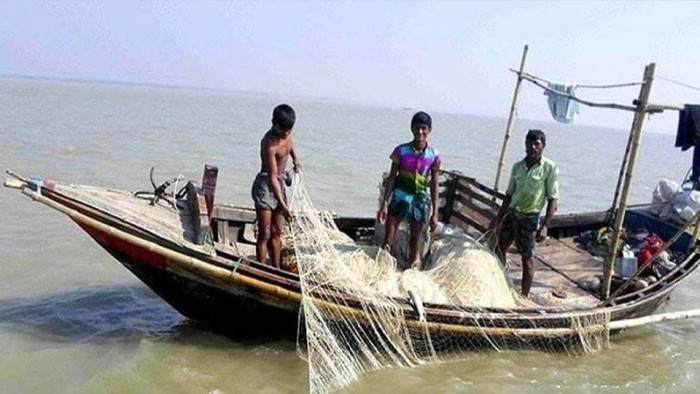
x=467, y=203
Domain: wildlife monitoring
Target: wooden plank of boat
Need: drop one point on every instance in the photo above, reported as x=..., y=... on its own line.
x=560, y=275
x=233, y=213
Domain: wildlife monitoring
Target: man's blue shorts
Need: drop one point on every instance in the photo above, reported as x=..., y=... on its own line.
x=413, y=207
x=521, y=229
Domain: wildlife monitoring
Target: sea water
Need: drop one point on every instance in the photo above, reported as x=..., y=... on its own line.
x=73, y=320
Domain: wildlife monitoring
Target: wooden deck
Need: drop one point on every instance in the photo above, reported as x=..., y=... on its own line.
x=161, y=219
x=563, y=272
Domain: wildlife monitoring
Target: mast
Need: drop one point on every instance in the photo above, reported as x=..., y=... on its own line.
x=696, y=230
x=509, y=126
x=632, y=158
x=623, y=167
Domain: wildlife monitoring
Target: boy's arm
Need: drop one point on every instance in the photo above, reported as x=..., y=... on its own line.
x=434, y=181
x=274, y=181
x=295, y=158
x=388, y=189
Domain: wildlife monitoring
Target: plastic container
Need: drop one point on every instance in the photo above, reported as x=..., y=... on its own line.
x=626, y=265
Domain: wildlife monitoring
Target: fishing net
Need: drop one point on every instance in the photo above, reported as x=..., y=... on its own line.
x=360, y=312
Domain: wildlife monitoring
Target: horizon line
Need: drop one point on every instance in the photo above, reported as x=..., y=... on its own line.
x=262, y=93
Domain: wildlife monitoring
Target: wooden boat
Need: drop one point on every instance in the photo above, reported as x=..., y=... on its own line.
x=220, y=283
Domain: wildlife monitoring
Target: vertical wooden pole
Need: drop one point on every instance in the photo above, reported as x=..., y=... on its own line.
x=620, y=216
x=693, y=242
x=620, y=177
x=696, y=230
x=509, y=126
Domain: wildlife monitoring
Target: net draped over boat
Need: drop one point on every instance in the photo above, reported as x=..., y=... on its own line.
x=361, y=313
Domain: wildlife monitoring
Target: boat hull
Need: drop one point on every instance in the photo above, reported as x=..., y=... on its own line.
x=241, y=309
x=230, y=307
x=231, y=291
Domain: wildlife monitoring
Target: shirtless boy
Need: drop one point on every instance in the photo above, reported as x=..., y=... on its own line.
x=268, y=188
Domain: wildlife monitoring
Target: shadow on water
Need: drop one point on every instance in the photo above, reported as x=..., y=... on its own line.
x=116, y=313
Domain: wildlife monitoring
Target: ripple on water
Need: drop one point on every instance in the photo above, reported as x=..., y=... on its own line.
x=91, y=314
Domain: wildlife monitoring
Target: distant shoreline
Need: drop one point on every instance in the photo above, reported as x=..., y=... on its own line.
x=117, y=83
x=272, y=95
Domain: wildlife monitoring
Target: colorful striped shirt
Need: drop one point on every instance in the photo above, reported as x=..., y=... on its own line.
x=414, y=167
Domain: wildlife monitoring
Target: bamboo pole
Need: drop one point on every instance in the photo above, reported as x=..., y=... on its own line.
x=650, y=108
x=623, y=168
x=15, y=175
x=620, y=216
x=661, y=107
x=511, y=117
x=641, y=321
x=696, y=230
x=14, y=184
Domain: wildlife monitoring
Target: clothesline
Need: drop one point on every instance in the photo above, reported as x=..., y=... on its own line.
x=651, y=108
x=678, y=83
x=618, y=85
x=531, y=79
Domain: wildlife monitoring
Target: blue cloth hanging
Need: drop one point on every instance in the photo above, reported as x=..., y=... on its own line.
x=563, y=109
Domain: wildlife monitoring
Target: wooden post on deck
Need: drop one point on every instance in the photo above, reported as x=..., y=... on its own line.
x=696, y=229
x=620, y=177
x=620, y=215
x=694, y=241
x=509, y=126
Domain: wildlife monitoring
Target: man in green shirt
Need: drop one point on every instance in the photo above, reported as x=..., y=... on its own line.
x=534, y=183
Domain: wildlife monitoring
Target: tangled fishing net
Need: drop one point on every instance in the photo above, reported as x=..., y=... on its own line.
x=360, y=312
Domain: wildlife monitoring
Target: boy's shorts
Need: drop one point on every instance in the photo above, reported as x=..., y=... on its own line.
x=413, y=207
x=262, y=194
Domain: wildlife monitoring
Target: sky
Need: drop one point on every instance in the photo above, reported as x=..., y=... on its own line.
x=438, y=56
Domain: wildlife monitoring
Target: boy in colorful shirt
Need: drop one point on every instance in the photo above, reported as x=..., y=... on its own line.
x=414, y=165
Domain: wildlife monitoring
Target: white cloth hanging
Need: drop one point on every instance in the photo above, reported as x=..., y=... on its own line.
x=563, y=109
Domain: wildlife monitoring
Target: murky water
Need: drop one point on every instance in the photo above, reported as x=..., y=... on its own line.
x=74, y=320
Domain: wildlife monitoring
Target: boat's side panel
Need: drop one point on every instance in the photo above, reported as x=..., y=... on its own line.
x=202, y=298
x=226, y=302
x=197, y=296
x=638, y=218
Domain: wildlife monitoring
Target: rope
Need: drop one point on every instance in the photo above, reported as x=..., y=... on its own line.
x=616, y=85
x=651, y=108
x=529, y=78
x=685, y=85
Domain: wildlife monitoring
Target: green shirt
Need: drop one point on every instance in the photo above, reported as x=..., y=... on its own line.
x=530, y=190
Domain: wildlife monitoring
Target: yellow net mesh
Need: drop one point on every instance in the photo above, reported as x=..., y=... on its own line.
x=360, y=312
